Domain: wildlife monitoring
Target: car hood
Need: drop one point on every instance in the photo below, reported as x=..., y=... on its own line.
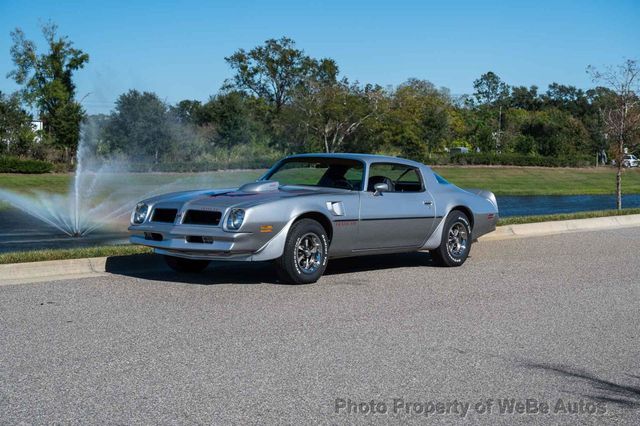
x=220, y=199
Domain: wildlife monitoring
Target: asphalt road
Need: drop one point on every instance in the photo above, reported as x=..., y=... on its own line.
x=551, y=318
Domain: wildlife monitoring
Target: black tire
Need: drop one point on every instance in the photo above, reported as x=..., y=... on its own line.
x=180, y=264
x=289, y=268
x=456, y=253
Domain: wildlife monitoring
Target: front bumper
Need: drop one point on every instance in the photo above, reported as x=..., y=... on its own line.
x=213, y=242
x=179, y=238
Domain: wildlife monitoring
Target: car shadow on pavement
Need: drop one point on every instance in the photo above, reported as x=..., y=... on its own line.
x=153, y=267
x=623, y=395
x=379, y=262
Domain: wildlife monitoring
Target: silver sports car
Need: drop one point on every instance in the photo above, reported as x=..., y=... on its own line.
x=312, y=207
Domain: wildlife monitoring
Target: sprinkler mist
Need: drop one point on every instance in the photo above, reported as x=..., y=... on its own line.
x=100, y=195
x=92, y=201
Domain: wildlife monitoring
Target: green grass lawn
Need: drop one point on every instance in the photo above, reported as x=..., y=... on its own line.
x=126, y=186
x=46, y=182
x=60, y=183
x=541, y=181
x=500, y=180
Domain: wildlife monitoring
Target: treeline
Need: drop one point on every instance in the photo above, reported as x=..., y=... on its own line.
x=280, y=101
x=248, y=124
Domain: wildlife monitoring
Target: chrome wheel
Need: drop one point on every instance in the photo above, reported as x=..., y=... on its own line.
x=458, y=240
x=309, y=253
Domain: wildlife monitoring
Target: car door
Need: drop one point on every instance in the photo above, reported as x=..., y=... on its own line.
x=400, y=217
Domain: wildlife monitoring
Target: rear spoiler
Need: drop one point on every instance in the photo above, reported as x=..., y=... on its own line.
x=484, y=194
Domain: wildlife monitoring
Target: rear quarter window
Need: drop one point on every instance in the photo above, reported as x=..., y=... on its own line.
x=441, y=180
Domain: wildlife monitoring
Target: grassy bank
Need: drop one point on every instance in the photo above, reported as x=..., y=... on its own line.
x=76, y=253
x=500, y=180
x=516, y=220
x=126, y=250
x=541, y=181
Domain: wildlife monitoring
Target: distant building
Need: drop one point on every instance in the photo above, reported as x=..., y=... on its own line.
x=38, y=127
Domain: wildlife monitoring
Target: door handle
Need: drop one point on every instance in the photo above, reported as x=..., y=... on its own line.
x=427, y=203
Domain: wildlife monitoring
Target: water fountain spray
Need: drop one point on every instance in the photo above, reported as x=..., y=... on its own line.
x=101, y=194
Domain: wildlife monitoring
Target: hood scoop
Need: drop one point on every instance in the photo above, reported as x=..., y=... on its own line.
x=261, y=186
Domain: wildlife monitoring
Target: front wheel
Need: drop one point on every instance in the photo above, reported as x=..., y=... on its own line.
x=180, y=264
x=456, y=240
x=305, y=253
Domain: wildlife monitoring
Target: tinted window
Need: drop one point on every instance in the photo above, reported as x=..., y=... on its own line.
x=399, y=177
x=325, y=172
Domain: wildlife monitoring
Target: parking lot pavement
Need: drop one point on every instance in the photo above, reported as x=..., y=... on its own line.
x=551, y=319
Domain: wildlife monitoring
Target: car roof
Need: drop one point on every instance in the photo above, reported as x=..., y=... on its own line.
x=366, y=158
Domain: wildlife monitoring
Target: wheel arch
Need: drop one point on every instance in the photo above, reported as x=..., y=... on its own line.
x=464, y=209
x=274, y=248
x=321, y=219
x=436, y=235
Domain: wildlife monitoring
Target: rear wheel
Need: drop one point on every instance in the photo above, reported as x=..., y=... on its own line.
x=305, y=253
x=456, y=240
x=186, y=265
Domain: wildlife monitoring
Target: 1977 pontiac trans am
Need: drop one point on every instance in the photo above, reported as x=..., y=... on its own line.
x=312, y=207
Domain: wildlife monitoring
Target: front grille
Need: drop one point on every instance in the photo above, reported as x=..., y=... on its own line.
x=164, y=215
x=153, y=236
x=201, y=217
x=199, y=239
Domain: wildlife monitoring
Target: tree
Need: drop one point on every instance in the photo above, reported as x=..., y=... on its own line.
x=139, y=127
x=598, y=98
x=491, y=93
x=490, y=89
x=47, y=83
x=186, y=111
x=272, y=71
x=525, y=98
x=229, y=115
x=554, y=133
x=336, y=111
x=16, y=134
x=566, y=98
x=621, y=117
x=418, y=120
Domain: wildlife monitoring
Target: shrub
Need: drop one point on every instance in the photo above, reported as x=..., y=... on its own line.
x=18, y=165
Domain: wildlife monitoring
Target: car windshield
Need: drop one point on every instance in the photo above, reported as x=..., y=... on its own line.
x=325, y=172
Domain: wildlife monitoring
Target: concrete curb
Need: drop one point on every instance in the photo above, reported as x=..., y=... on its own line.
x=33, y=272
x=562, y=226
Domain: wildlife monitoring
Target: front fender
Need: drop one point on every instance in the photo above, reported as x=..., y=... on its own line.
x=274, y=248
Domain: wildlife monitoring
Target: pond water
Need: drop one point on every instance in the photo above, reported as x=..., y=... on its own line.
x=22, y=232
x=553, y=204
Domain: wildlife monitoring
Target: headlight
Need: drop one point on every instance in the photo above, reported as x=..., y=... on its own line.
x=140, y=213
x=235, y=219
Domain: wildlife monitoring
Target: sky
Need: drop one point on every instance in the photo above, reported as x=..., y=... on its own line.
x=177, y=49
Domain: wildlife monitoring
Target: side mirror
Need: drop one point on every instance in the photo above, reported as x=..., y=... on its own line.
x=379, y=188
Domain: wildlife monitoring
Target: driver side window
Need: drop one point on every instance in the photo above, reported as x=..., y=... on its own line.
x=399, y=177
